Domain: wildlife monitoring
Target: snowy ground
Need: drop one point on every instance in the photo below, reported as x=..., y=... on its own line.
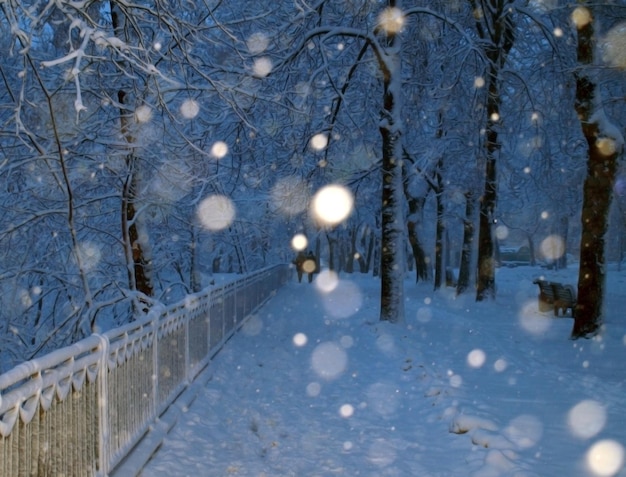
x=315, y=385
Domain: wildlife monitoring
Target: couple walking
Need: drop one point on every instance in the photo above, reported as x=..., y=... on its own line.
x=306, y=264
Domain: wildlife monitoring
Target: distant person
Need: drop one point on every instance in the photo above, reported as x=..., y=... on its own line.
x=310, y=265
x=299, y=263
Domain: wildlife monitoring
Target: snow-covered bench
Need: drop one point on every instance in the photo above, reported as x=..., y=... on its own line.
x=556, y=296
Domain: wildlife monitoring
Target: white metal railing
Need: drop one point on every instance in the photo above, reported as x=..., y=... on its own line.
x=79, y=410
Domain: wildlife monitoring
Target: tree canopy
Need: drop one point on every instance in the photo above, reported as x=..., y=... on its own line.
x=146, y=146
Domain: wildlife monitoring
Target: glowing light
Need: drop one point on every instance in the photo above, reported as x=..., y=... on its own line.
x=531, y=321
x=544, y=215
x=605, y=457
x=606, y=146
x=346, y=341
x=189, y=109
x=495, y=117
x=500, y=365
x=586, y=419
x=219, y=149
x=257, y=43
x=216, y=212
x=614, y=46
x=143, y=114
x=313, y=389
x=391, y=20
x=332, y=204
x=329, y=360
x=502, y=232
x=347, y=410
x=424, y=314
x=262, y=67
x=479, y=82
x=558, y=32
x=300, y=339
x=552, y=247
x=326, y=281
x=319, y=142
x=476, y=358
x=456, y=381
x=309, y=266
x=299, y=242
x=581, y=16
x=157, y=46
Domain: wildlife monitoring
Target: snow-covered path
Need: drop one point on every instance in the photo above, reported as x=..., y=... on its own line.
x=315, y=385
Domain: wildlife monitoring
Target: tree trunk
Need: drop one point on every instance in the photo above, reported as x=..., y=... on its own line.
x=416, y=206
x=331, y=251
x=415, y=219
x=195, y=275
x=138, y=261
x=531, y=246
x=353, y=251
x=468, y=243
x=371, y=251
x=141, y=265
x=440, y=229
x=497, y=32
x=392, y=243
x=563, y=232
x=486, y=273
x=604, y=149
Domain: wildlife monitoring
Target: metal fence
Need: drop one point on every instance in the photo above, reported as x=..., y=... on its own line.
x=79, y=410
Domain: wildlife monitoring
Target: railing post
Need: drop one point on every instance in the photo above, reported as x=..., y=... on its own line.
x=187, y=346
x=155, y=361
x=104, y=436
x=209, y=298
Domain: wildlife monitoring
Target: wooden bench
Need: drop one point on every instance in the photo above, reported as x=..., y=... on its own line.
x=556, y=296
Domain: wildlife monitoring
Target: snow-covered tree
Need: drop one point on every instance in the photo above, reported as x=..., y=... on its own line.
x=605, y=145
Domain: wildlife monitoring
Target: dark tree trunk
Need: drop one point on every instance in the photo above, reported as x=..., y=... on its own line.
x=439, y=238
x=531, y=246
x=139, y=264
x=563, y=232
x=332, y=243
x=486, y=273
x=369, y=237
x=392, y=224
x=416, y=206
x=440, y=246
x=495, y=27
x=468, y=243
x=195, y=275
x=354, y=252
x=392, y=246
x=601, y=170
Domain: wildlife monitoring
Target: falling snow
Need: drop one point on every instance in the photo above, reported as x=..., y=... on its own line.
x=472, y=391
x=235, y=135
